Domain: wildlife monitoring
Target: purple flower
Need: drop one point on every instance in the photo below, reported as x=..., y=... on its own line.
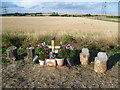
x=64, y=45
x=68, y=47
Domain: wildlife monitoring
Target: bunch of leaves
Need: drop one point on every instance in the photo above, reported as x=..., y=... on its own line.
x=38, y=50
x=22, y=50
x=42, y=55
x=67, y=51
x=62, y=53
x=41, y=52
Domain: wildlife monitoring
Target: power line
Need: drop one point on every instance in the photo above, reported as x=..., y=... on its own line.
x=104, y=8
x=5, y=9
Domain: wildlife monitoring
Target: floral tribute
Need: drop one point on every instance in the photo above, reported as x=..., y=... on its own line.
x=44, y=53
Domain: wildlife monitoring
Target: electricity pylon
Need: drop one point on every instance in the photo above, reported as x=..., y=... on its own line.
x=5, y=9
x=104, y=8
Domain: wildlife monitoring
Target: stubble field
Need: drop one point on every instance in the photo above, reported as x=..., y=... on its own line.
x=58, y=26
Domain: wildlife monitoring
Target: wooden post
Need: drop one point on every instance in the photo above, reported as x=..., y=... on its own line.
x=53, y=45
x=100, y=64
x=84, y=57
x=12, y=52
x=30, y=52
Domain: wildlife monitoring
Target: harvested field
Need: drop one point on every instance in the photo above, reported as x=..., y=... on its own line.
x=58, y=26
x=74, y=25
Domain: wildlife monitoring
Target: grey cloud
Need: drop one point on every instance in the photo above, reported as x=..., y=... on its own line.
x=70, y=5
x=9, y=5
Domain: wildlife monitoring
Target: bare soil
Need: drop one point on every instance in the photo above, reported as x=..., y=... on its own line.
x=16, y=75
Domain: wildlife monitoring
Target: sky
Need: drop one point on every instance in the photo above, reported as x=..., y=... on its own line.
x=60, y=6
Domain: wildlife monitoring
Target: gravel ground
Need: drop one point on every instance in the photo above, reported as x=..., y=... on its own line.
x=16, y=75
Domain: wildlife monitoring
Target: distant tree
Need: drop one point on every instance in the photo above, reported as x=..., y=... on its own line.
x=16, y=14
x=88, y=15
x=54, y=14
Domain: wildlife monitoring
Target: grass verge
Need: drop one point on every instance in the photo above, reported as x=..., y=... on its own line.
x=106, y=20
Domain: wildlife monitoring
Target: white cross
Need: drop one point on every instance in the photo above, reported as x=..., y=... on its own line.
x=53, y=47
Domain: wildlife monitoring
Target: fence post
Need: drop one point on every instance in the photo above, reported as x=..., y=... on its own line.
x=12, y=52
x=84, y=56
x=30, y=52
x=100, y=63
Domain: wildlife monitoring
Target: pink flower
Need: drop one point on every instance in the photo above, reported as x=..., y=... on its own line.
x=38, y=45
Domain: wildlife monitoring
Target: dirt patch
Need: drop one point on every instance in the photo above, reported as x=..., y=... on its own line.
x=35, y=76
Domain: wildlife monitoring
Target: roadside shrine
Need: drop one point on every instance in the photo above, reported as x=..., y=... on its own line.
x=56, y=56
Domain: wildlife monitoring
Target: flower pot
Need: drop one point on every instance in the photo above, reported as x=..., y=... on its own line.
x=50, y=62
x=41, y=62
x=70, y=61
x=60, y=61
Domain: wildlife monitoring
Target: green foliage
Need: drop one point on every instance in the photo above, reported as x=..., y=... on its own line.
x=15, y=40
x=69, y=53
x=21, y=50
x=79, y=66
x=3, y=50
x=88, y=15
x=112, y=51
x=42, y=55
x=46, y=39
x=105, y=20
x=65, y=15
x=40, y=51
x=113, y=16
x=54, y=14
x=62, y=53
x=67, y=39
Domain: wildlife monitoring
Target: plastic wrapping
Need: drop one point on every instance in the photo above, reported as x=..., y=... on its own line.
x=100, y=63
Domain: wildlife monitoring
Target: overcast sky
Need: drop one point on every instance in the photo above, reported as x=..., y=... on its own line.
x=60, y=6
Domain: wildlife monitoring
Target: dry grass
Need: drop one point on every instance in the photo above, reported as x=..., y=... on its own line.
x=57, y=26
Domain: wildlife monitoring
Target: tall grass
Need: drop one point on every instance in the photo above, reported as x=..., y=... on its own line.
x=79, y=41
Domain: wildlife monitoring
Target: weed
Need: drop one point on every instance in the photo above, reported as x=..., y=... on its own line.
x=67, y=39
x=79, y=66
x=21, y=50
x=15, y=40
x=5, y=61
